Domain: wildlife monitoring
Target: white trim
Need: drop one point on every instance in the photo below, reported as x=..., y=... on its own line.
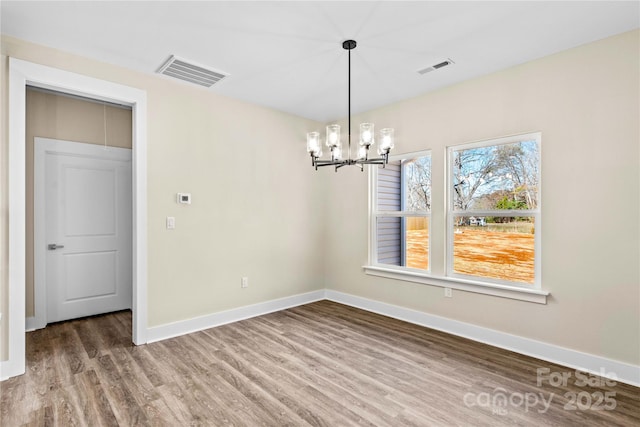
x=15, y=364
x=372, y=235
x=624, y=372
x=42, y=147
x=21, y=74
x=410, y=155
x=196, y=324
x=506, y=291
x=39, y=221
x=139, y=181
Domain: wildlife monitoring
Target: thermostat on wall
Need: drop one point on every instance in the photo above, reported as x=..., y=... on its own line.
x=184, y=198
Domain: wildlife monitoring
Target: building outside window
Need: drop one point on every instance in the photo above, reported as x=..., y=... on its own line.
x=402, y=211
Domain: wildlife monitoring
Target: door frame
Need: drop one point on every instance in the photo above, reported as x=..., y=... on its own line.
x=21, y=74
x=41, y=147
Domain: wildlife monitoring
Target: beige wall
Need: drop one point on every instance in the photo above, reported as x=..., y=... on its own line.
x=70, y=119
x=256, y=207
x=585, y=101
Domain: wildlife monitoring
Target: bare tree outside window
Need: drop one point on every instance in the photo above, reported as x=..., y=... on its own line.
x=417, y=175
x=496, y=177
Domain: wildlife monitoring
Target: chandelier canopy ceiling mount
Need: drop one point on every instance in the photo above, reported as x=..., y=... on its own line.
x=334, y=143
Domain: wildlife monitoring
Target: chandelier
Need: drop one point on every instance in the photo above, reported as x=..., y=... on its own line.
x=367, y=138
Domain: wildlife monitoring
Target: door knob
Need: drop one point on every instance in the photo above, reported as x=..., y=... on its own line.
x=53, y=246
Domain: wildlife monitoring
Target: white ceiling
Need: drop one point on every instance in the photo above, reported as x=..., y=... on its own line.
x=288, y=55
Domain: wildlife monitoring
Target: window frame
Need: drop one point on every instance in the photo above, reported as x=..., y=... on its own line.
x=374, y=214
x=528, y=293
x=451, y=212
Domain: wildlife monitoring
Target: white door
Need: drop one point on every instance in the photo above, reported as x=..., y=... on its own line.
x=88, y=217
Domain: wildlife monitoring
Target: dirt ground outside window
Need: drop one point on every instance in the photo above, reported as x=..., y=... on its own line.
x=480, y=251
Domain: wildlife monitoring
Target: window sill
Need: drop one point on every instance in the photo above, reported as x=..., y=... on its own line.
x=513, y=292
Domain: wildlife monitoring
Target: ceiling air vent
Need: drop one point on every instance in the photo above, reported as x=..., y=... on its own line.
x=189, y=72
x=436, y=66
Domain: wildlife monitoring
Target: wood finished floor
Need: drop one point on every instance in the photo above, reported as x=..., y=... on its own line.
x=322, y=364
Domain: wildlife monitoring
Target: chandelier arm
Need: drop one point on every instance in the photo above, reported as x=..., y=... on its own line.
x=370, y=162
x=321, y=163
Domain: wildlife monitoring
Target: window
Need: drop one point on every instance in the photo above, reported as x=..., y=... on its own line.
x=493, y=211
x=487, y=241
x=401, y=212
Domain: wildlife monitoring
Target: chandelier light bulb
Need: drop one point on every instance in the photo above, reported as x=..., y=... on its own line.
x=336, y=153
x=362, y=153
x=366, y=134
x=386, y=139
x=333, y=136
x=313, y=143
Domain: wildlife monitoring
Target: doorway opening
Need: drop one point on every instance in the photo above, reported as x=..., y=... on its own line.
x=21, y=75
x=79, y=197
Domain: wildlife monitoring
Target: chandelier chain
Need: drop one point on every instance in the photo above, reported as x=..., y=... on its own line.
x=349, y=100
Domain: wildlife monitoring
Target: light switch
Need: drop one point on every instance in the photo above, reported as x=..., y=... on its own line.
x=171, y=223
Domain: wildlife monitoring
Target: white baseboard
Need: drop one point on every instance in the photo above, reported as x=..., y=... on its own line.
x=9, y=370
x=31, y=324
x=5, y=371
x=624, y=372
x=183, y=327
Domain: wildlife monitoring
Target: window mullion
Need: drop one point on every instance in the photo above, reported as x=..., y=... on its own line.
x=506, y=212
x=383, y=214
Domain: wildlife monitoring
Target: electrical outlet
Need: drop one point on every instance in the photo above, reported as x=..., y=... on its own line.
x=244, y=283
x=448, y=292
